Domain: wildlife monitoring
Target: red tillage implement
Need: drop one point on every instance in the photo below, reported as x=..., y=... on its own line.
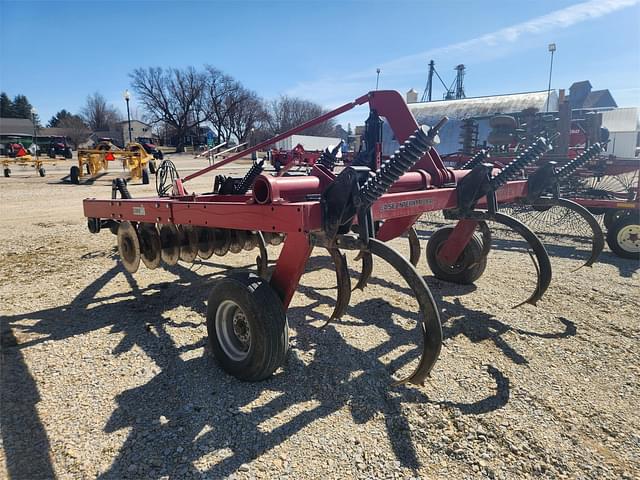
x=246, y=317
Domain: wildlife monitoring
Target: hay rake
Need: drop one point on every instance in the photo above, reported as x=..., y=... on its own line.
x=355, y=209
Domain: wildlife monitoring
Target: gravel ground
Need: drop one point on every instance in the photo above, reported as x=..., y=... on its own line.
x=106, y=374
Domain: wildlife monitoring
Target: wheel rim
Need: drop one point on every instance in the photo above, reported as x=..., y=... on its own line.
x=629, y=238
x=232, y=330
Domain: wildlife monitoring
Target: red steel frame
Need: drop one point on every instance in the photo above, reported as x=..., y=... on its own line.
x=298, y=219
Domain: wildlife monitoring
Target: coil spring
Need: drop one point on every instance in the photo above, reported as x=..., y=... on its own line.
x=580, y=160
x=247, y=181
x=475, y=160
x=532, y=153
x=402, y=160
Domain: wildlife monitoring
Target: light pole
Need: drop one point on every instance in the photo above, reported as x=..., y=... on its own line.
x=34, y=112
x=377, y=77
x=127, y=96
x=552, y=48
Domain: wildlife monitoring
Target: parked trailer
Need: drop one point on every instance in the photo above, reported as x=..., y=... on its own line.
x=246, y=313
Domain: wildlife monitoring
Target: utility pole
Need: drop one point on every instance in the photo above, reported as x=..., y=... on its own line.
x=377, y=77
x=552, y=49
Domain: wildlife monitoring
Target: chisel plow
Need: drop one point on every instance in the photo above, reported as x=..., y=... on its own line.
x=359, y=209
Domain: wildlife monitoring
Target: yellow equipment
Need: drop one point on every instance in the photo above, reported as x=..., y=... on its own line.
x=25, y=160
x=134, y=158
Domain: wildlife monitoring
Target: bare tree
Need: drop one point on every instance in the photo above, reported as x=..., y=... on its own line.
x=171, y=96
x=222, y=96
x=98, y=114
x=74, y=129
x=247, y=115
x=288, y=112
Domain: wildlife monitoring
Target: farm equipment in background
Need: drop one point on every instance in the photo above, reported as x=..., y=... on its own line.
x=606, y=185
x=150, y=147
x=134, y=158
x=356, y=209
x=59, y=146
x=16, y=154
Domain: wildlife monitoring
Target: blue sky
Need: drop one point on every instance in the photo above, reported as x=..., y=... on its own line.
x=58, y=52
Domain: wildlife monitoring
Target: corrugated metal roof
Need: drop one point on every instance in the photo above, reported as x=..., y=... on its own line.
x=484, y=106
x=16, y=126
x=621, y=120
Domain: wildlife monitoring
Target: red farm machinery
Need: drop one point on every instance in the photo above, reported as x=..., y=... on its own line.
x=360, y=208
x=608, y=186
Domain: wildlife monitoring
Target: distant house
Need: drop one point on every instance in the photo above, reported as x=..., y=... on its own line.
x=138, y=129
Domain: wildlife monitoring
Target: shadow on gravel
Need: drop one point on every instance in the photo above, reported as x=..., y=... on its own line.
x=24, y=438
x=193, y=413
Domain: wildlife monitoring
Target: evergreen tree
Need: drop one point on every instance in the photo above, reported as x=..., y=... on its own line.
x=21, y=107
x=59, y=117
x=6, y=106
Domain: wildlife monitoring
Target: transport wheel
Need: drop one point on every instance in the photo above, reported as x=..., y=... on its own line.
x=152, y=167
x=7, y=172
x=68, y=154
x=52, y=153
x=623, y=237
x=42, y=172
x=612, y=216
x=247, y=326
x=468, y=268
x=145, y=176
x=74, y=174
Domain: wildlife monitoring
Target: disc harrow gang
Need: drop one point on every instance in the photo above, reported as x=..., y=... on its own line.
x=361, y=208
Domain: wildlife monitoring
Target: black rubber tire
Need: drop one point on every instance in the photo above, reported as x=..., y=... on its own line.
x=152, y=167
x=467, y=269
x=7, y=172
x=266, y=321
x=145, y=176
x=612, y=216
x=42, y=172
x=74, y=174
x=52, y=153
x=68, y=154
x=613, y=232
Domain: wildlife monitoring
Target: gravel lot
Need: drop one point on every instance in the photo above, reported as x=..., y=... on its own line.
x=105, y=374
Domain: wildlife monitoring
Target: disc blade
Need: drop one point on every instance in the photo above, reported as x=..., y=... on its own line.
x=170, y=244
x=150, y=247
x=222, y=241
x=205, y=242
x=188, y=243
x=129, y=247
